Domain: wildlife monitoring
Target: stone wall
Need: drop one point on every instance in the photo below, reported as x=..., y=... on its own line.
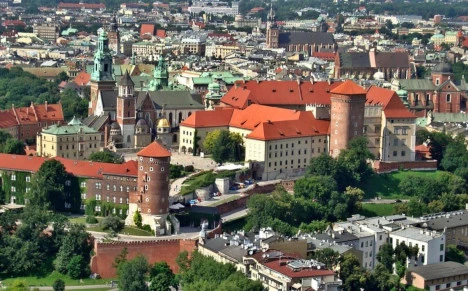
x=154, y=251
x=387, y=167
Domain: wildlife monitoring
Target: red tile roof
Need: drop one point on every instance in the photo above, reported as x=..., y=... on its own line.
x=7, y=119
x=329, y=56
x=264, y=122
x=279, y=93
x=274, y=264
x=77, y=168
x=214, y=118
x=349, y=88
x=49, y=112
x=161, y=33
x=147, y=28
x=392, y=105
x=82, y=78
x=154, y=150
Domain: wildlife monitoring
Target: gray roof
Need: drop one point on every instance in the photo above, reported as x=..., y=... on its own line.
x=440, y=270
x=416, y=234
x=449, y=220
x=338, y=238
x=109, y=99
x=382, y=60
x=355, y=60
x=126, y=80
x=171, y=100
x=302, y=37
x=95, y=122
x=417, y=85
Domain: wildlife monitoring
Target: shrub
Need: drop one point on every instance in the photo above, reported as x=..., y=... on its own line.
x=112, y=223
x=91, y=219
x=189, y=168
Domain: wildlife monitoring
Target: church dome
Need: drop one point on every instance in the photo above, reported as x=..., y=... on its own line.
x=442, y=68
x=163, y=122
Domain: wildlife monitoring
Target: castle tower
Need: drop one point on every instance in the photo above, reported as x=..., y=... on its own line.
x=441, y=73
x=125, y=112
x=114, y=35
x=272, y=32
x=101, y=77
x=347, y=115
x=152, y=196
x=161, y=76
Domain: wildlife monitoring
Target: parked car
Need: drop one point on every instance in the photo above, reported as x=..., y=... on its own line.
x=217, y=194
x=193, y=201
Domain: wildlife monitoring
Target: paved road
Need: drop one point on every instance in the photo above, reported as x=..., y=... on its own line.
x=383, y=201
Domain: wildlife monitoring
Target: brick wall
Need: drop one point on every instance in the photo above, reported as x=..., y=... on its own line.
x=386, y=167
x=153, y=251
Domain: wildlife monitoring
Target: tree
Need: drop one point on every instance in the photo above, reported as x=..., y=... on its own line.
x=105, y=157
x=137, y=219
x=132, y=275
x=323, y=165
x=350, y=272
x=327, y=256
x=14, y=146
x=77, y=267
x=73, y=104
x=76, y=243
x=385, y=257
x=59, y=285
x=452, y=253
x=48, y=186
x=161, y=277
x=112, y=223
x=120, y=260
x=318, y=188
x=226, y=147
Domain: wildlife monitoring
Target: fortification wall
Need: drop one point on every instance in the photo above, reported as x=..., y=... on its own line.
x=153, y=251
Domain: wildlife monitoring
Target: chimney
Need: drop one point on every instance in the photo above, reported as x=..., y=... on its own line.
x=45, y=103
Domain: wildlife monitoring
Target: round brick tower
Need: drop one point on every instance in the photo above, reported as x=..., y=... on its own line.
x=152, y=196
x=347, y=115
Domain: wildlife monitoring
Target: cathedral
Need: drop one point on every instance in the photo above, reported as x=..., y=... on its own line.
x=130, y=118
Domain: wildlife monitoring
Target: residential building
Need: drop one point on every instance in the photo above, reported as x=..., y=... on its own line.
x=431, y=244
x=439, y=276
x=280, y=271
x=454, y=224
x=73, y=140
x=47, y=32
x=24, y=123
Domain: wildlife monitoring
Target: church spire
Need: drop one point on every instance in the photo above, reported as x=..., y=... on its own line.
x=102, y=68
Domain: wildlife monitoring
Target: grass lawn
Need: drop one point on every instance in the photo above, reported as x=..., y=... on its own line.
x=220, y=202
x=371, y=209
x=48, y=280
x=81, y=219
x=128, y=230
x=386, y=185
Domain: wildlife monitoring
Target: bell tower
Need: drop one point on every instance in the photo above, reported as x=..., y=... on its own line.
x=125, y=113
x=160, y=76
x=272, y=32
x=102, y=75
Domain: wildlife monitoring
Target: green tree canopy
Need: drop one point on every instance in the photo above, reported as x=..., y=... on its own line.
x=105, y=157
x=132, y=275
x=48, y=186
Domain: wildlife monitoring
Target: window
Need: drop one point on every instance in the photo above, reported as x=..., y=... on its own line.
x=13, y=177
x=151, y=169
x=395, y=142
x=83, y=184
x=113, y=199
x=423, y=247
x=98, y=196
x=162, y=169
x=380, y=237
x=27, y=190
x=67, y=183
x=107, y=199
x=377, y=129
x=114, y=188
x=97, y=208
x=98, y=185
x=83, y=195
x=28, y=179
x=403, y=141
x=403, y=153
x=128, y=189
x=107, y=187
x=395, y=153
x=422, y=259
x=441, y=247
x=449, y=98
x=120, y=200
x=13, y=189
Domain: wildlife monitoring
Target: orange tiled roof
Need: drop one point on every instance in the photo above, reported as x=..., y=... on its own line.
x=279, y=93
x=214, y=118
x=7, y=119
x=392, y=105
x=154, y=150
x=147, y=28
x=82, y=78
x=75, y=167
x=49, y=112
x=349, y=88
x=265, y=122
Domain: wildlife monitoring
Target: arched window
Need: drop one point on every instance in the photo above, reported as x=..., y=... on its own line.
x=180, y=117
x=128, y=138
x=449, y=98
x=170, y=118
